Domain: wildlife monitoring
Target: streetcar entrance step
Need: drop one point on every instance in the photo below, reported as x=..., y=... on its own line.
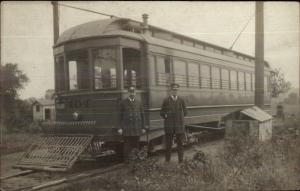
x=54, y=152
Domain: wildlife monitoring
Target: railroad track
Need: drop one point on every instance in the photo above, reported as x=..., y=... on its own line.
x=38, y=185
x=44, y=182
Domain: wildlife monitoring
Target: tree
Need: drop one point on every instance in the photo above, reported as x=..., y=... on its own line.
x=292, y=98
x=278, y=83
x=12, y=80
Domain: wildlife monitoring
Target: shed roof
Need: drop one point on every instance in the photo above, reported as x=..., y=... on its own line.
x=257, y=114
x=44, y=102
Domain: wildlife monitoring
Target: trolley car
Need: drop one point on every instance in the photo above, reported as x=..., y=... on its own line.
x=96, y=62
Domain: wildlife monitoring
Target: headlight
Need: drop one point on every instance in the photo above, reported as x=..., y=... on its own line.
x=75, y=116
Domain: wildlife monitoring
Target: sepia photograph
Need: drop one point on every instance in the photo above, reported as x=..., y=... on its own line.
x=149, y=95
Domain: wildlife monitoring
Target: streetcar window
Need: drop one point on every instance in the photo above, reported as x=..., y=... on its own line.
x=205, y=76
x=59, y=73
x=233, y=80
x=200, y=46
x=78, y=70
x=248, y=82
x=163, y=70
x=241, y=79
x=188, y=43
x=193, y=76
x=215, y=77
x=152, y=69
x=210, y=49
x=266, y=88
x=253, y=81
x=180, y=72
x=225, y=78
x=105, y=63
x=176, y=40
x=73, y=75
x=131, y=67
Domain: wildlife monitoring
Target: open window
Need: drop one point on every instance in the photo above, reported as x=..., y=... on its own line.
x=78, y=70
x=163, y=70
x=105, y=68
x=59, y=73
x=180, y=72
x=131, y=67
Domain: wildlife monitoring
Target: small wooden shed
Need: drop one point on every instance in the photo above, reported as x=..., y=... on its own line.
x=43, y=110
x=251, y=121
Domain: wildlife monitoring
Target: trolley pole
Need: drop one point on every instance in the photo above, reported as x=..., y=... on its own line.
x=55, y=21
x=259, y=54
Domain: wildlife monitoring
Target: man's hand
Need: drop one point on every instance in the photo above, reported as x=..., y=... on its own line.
x=143, y=131
x=120, y=131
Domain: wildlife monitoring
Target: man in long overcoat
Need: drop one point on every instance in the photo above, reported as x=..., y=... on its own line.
x=173, y=111
x=132, y=121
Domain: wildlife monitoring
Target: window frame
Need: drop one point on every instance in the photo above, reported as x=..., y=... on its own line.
x=218, y=81
x=64, y=74
x=236, y=79
x=67, y=69
x=239, y=81
x=195, y=77
x=209, y=84
x=223, y=80
x=157, y=73
x=185, y=77
x=91, y=50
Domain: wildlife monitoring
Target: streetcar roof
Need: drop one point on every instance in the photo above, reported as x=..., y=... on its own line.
x=115, y=26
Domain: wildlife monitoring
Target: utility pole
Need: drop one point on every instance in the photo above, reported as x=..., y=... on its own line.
x=299, y=62
x=259, y=54
x=55, y=21
x=0, y=31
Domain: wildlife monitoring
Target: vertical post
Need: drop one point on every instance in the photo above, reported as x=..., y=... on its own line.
x=55, y=21
x=0, y=31
x=299, y=64
x=2, y=112
x=259, y=54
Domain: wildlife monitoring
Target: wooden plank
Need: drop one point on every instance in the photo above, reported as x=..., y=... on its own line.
x=22, y=173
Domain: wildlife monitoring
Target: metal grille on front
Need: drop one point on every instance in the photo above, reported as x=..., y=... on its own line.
x=54, y=153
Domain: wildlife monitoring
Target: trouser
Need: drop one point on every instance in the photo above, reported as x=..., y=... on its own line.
x=130, y=142
x=169, y=143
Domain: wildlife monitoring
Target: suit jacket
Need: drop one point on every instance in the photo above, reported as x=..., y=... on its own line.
x=173, y=113
x=132, y=117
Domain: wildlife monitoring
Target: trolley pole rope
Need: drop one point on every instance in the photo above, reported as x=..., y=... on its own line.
x=87, y=10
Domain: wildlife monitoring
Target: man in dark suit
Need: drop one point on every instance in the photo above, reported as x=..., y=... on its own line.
x=173, y=111
x=132, y=121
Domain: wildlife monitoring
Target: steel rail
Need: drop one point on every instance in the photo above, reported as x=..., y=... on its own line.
x=71, y=178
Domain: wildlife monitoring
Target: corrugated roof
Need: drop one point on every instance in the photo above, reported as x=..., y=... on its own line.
x=257, y=114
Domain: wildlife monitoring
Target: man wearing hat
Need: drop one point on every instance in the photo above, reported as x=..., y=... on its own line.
x=173, y=111
x=132, y=122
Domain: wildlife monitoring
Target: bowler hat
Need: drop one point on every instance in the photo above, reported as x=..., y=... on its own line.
x=174, y=86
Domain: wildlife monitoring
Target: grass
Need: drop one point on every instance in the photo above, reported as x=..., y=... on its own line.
x=16, y=142
x=242, y=164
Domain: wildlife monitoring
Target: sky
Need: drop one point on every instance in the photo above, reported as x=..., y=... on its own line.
x=27, y=31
